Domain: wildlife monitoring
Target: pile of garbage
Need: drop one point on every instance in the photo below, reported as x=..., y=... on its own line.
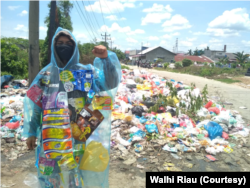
x=151, y=109
x=11, y=116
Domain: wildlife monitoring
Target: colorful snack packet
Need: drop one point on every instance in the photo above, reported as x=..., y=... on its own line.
x=68, y=162
x=56, y=133
x=46, y=166
x=56, y=118
x=102, y=103
x=56, y=112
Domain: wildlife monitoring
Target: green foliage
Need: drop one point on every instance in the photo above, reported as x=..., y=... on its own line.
x=178, y=65
x=234, y=65
x=165, y=65
x=159, y=60
x=186, y=62
x=206, y=63
x=241, y=57
x=119, y=53
x=63, y=15
x=152, y=136
x=14, y=57
x=124, y=67
x=228, y=80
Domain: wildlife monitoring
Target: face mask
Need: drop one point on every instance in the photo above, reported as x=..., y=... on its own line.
x=65, y=52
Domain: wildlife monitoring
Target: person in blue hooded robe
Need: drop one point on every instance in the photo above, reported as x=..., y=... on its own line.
x=71, y=139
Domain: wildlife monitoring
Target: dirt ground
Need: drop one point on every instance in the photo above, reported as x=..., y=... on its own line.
x=130, y=176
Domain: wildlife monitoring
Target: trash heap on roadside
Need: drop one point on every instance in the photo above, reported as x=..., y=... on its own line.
x=11, y=116
x=149, y=108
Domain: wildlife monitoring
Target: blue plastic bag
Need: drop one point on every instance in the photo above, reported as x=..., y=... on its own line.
x=151, y=128
x=143, y=120
x=213, y=129
x=140, y=133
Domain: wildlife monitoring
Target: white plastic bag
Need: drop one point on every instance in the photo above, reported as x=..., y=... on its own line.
x=31, y=180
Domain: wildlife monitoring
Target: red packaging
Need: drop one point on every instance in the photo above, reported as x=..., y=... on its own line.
x=214, y=109
x=154, y=113
x=192, y=122
x=125, y=99
x=14, y=125
x=211, y=158
x=174, y=134
x=208, y=105
x=225, y=135
x=35, y=94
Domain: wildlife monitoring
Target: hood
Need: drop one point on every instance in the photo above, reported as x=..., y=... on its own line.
x=54, y=57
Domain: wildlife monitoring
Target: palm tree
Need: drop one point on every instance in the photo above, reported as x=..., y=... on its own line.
x=241, y=58
x=190, y=52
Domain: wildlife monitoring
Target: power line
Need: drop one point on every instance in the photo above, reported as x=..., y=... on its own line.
x=89, y=19
x=102, y=15
x=83, y=22
x=95, y=17
x=86, y=19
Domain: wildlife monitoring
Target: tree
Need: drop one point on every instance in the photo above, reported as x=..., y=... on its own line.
x=207, y=47
x=190, y=52
x=241, y=58
x=64, y=20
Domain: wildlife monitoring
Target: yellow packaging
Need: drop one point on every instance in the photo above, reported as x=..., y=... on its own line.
x=54, y=118
x=95, y=158
x=67, y=161
x=118, y=115
x=228, y=150
x=66, y=76
x=174, y=98
x=102, y=103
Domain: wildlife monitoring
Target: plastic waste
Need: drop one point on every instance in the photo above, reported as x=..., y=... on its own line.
x=31, y=180
x=95, y=158
x=214, y=130
x=225, y=135
x=214, y=109
x=14, y=125
x=151, y=128
x=137, y=110
x=15, y=119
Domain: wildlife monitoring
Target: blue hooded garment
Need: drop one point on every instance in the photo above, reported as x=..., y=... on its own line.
x=55, y=113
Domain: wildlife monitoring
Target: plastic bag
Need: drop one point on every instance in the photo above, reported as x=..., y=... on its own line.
x=95, y=158
x=137, y=110
x=151, y=128
x=225, y=135
x=214, y=130
x=214, y=109
x=31, y=180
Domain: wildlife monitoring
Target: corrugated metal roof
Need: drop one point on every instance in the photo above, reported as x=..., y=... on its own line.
x=152, y=48
x=193, y=58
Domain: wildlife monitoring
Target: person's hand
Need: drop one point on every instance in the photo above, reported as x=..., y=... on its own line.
x=31, y=142
x=100, y=51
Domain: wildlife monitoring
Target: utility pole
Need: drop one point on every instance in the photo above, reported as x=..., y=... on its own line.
x=33, y=40
x=111, y=43
x=177, y=45
x=52, y=27
x=141, y=49
x=105, y=38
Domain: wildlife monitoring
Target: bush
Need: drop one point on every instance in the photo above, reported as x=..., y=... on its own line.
x=234, y=65
x=159, y=60
x=165, y=65
x=178, y=65
x=187, y=62
x=205, y=72
x=205, y=64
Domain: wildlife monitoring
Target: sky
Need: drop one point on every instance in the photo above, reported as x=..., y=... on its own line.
x=131, y=23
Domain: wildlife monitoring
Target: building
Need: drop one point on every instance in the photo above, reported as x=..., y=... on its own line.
x=215, y=55
x=202, y=58
x=126, y=54
x=231, y=57
x=151, y=54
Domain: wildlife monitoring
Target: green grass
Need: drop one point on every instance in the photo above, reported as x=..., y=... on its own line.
x=228, y=80
x=124, y=67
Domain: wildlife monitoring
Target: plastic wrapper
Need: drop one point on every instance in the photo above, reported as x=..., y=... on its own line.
x=214, y=130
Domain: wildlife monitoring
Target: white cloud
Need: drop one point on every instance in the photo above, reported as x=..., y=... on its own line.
x=112, y=17
x=200, y=33
x=41, y=28
x=156, y=14
x=246, y=43
x=170, y=35
x=236, y=19
x=213, y=40
x=21, y=28
x=137, y=31
x=24, y=12
x=229, y=24
x=177, y=22
x=141, y=4
x=116, y=27
x=131, y=40
x=222, y=32
x=191, y=39
x=176, y=34
x=109, y=6
x=158, y=8
x=81, y=36
x=155, y=18
x=153, y=38
x=13, y=7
